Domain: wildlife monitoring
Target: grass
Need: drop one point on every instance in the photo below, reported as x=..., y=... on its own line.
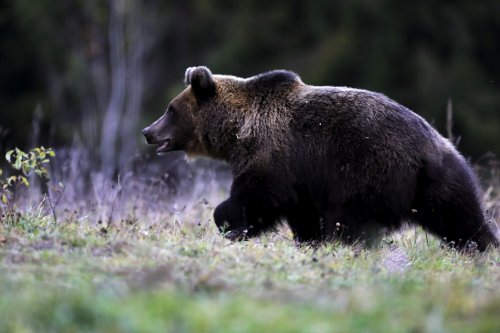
x=176, y=274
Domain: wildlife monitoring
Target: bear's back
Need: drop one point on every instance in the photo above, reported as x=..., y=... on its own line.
x=353, y=117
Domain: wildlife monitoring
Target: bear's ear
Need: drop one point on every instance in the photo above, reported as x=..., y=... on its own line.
x=201, y=81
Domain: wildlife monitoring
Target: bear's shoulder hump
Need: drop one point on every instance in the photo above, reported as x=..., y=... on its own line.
x=274, y=78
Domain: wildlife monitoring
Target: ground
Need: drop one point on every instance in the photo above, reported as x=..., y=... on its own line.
x=173, y=272
x=186, y=278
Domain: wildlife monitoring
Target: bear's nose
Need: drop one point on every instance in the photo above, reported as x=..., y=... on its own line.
x=147, y=134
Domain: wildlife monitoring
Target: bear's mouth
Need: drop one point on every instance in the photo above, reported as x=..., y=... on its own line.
x=163, y=146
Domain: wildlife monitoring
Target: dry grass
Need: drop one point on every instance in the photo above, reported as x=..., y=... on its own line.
x=135, y=258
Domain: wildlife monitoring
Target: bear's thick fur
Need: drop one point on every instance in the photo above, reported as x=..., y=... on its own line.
x=335, y=162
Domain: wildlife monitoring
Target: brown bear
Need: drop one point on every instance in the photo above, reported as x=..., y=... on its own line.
x=334, y=162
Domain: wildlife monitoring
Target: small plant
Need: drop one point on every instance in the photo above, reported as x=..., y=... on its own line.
x=25, y=165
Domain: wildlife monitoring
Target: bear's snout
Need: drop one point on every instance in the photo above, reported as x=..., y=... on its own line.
x=152, y=137
x=148, y=135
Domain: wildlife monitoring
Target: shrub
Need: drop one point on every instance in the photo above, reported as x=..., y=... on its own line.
x=25, y=164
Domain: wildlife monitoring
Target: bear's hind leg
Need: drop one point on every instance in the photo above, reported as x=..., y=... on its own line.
x=450, y=207
x=458, y=225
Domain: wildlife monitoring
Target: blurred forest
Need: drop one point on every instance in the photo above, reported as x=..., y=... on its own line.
x=93, y=73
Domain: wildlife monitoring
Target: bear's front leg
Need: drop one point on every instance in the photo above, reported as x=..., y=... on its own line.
x=231, y=219
x=250, y=209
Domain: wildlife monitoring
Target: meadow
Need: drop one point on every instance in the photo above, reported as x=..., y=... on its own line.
x=134, y=256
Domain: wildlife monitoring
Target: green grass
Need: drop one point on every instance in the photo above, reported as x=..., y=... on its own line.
x=183, y=277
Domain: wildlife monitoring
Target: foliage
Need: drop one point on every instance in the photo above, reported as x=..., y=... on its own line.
x=25, y=164
x=420, y=53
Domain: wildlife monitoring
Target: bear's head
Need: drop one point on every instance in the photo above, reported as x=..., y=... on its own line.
x=178, y=128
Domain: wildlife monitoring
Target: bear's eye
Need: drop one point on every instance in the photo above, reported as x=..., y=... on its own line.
x=170, y=111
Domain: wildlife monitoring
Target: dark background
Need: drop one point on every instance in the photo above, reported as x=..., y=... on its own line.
x=92, y=73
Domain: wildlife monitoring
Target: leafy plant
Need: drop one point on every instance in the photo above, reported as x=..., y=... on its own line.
x=25, y=165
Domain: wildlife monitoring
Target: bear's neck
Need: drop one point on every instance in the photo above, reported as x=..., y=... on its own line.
x=219, y=135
